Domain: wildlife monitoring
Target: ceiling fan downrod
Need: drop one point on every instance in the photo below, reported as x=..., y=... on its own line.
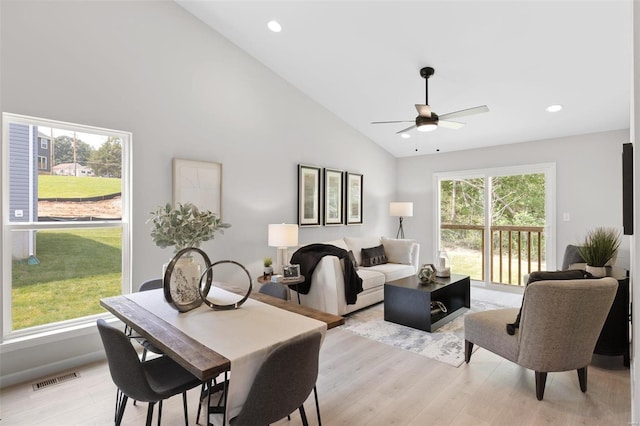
x=425, y=73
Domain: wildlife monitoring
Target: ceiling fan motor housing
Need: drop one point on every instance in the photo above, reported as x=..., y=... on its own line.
x=425, y=121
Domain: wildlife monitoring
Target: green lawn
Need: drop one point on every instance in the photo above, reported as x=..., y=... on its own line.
x=77, y=268
x=51, y=186
x=469, y=262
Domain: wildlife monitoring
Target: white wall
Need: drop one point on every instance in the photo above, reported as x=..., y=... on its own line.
x=635, y=241
x=183, y=91
x=588, y=177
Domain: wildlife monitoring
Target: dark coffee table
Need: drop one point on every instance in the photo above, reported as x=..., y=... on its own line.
x=407, y=301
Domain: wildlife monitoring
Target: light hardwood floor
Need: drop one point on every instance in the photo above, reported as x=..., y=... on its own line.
x=363, y=382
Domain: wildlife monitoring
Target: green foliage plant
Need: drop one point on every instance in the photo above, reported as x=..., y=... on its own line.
x=600, y=245
x=184, y=226
x=267, y=262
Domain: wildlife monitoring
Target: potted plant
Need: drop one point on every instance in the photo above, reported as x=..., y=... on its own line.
x=600, y=246
x=268, y=269
x=183, y=226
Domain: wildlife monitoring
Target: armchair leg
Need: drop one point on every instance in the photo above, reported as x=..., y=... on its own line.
x=541, y=381
x=582, y=378
x=468, y=349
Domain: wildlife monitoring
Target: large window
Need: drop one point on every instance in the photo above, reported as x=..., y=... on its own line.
x=65, y=234
x=497, y=225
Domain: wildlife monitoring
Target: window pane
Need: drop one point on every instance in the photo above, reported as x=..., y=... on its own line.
x=462, y=224
x=67, y=274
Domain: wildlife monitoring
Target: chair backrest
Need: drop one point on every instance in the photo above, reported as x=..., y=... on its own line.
x=151, y=284
x=561, y=322
x=275, y=290
x=124, y=365
x=283, y=382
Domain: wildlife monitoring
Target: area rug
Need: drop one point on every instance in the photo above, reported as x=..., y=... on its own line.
x=446, y=344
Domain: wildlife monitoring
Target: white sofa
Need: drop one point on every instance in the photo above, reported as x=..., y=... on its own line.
x=327, y=282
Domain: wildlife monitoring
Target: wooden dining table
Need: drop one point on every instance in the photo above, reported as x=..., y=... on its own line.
x=208, y=342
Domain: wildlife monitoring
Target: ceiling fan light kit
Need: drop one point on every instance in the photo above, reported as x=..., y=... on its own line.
x=427, y=121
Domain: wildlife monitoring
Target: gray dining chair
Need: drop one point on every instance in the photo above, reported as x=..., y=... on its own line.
x=283, y=383
x=147, y=346
x=150, y=381
x=276, y=290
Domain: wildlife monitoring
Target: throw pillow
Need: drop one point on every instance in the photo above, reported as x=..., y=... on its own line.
x=397, y=251
x=356, y=244
x=373, y=256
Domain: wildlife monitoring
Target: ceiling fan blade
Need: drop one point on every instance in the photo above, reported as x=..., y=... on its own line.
x=450, y=124
x=423, y=110
x=390, y=122
x=405, y=130
x=465, y=112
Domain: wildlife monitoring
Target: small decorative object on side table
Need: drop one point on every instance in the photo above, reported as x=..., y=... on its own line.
x=280, y=279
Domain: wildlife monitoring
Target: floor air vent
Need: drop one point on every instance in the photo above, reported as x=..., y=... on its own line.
x=55, y=380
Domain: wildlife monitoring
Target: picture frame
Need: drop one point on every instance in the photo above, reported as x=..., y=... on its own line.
x=309, y=186
x=354, y=196
x=333, y=197
x=199, y=183
x=291, y=271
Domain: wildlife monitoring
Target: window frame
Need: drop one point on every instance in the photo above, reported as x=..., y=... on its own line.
x=548, y=169
x=8, y=227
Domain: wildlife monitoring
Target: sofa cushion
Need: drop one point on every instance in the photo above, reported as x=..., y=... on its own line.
x=373, y=256
x=397, y=251
x=392, y=271
x=356, y=245
x=370, y=279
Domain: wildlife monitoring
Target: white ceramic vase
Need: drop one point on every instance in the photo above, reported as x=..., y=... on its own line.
x=597, y=271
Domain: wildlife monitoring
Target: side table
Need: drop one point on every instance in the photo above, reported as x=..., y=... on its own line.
x=287, y=283
x=614, y=338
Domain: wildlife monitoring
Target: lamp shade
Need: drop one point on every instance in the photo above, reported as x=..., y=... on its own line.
x=401, y=209
x=283, y=235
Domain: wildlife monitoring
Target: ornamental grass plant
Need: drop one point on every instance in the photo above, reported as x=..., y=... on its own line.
x=600, y=246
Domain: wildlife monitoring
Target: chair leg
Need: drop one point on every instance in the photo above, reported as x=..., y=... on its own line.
x=150, y=413
x=159, y=412
x=315, y=393
x=121, y=404
x=582, y=378
x=303, y=415
x=541, y=381
x=468, y=349
x=184, y=404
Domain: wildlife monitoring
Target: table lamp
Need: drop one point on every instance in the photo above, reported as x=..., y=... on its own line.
x=282, y=236
x=401, y=210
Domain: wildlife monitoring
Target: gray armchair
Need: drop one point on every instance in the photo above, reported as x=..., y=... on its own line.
x=559, y=327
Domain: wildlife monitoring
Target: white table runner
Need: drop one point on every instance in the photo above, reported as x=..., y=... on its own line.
x=245, y=336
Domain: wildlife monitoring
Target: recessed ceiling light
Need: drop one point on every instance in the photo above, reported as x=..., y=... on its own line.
x=554, y=108
x=405, y=135
x=274, y=26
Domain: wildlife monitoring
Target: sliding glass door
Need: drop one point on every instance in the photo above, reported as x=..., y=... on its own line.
x=497, y=225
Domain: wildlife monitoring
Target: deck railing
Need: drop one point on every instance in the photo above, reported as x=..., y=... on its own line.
x=515, y=250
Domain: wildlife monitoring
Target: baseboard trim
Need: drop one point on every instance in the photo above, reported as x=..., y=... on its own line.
x=54, y=368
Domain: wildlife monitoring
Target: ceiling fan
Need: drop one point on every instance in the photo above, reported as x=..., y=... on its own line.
x=427, y=120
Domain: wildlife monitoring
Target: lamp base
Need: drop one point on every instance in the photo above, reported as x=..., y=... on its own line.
x=400, y=233
x=281, y=259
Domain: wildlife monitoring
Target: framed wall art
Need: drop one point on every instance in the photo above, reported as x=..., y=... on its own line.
x=198, y=182
x=309, y=183
x=333, y=197
x=354, y=199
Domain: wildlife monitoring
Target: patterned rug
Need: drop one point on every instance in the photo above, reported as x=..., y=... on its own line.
x=446, y=344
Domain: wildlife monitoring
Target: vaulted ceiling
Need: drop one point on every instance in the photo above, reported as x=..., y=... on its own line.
x=361, y=61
